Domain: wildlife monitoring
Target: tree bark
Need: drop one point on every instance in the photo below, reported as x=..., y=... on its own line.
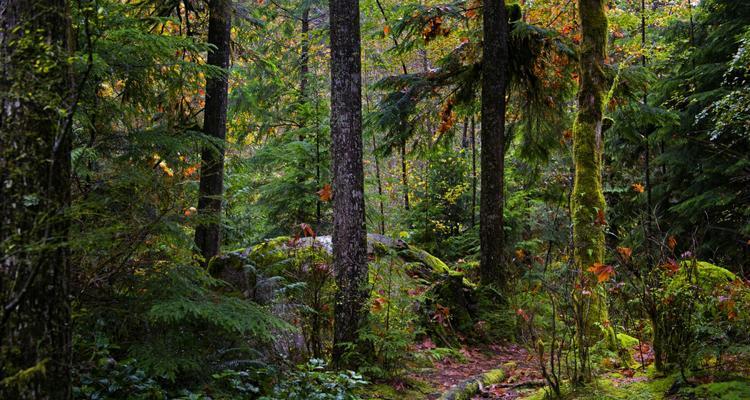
x=587, y=199
x=35, y=346
x=473, y=172
x=349, y=235
x=211, y=190
x=494, y=82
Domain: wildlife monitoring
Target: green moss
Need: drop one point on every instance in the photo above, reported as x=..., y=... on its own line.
x=612, y=388
x=413, y=253
x=706, y=275
x=269, y=252
x=732, y=390
x=416, y=390
x=465, y=390
x=627, y=341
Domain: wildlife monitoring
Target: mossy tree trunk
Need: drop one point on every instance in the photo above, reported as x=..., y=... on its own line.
x=349, y=234
x=494, y=82
x=35, y=96
x=587, y=200
x=211, y=190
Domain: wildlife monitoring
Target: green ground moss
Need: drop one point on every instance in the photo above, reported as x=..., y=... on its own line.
x=416, y=390
x=606, y=388
x=732, y=390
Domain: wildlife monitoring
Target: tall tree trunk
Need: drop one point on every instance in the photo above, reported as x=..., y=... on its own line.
x=494, y=81
x=35, y=143
x=587, y=199
x=349, y=235
x=473, y=171
x=208, y=233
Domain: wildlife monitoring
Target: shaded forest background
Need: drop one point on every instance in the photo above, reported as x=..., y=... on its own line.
x=168, y=198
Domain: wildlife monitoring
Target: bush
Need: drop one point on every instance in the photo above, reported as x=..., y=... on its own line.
x=702, y=313
x=312, y=381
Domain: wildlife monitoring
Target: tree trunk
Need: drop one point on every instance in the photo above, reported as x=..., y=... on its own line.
x=494, y=81
x=349, y=235
x=208, y=233
x=35, y=349
x=473, y=172
x=379, y=181
x=404, y=175
x=587, y=200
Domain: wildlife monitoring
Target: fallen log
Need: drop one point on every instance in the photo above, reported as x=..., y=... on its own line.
x=470, y=387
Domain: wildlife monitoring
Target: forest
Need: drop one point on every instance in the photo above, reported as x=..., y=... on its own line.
x=374, y=199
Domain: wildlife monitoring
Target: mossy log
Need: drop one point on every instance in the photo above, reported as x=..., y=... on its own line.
x=468, y=388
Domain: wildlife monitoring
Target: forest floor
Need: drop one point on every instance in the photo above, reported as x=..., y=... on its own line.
x=522, y=380
x=521, y=371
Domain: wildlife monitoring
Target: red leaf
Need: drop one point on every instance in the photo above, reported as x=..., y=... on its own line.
x=600, y=219
x=671, y=266
x=307, y=230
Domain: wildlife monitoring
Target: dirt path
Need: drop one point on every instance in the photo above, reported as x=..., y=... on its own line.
x=520, y=368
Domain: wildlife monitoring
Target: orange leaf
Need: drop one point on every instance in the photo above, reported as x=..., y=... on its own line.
x=386, y=30
x=378, y=303
x=671, y=242
x=637, y=187
x=326, y=194
x=603, y=272
x=625, y=252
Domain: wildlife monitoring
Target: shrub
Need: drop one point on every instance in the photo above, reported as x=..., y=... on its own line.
x=312, y=381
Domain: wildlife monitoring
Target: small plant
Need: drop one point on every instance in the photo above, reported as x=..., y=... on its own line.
x=312, y=381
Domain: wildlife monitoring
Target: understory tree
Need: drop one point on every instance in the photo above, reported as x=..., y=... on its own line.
x=211, y=188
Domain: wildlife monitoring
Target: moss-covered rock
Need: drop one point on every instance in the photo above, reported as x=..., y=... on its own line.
x=236, y=269
x=426, y=288
x=705, y=275
x=627, y=341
